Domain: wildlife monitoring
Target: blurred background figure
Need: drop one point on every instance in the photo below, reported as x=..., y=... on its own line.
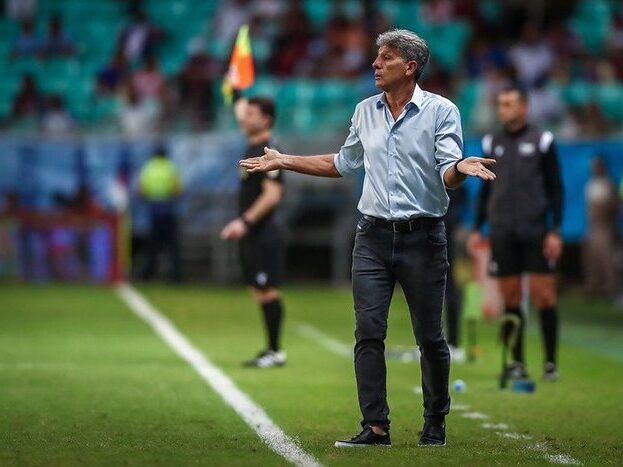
x=161, y=187
x=139, y=38
x=58, y=42
x=600, y=248
x=258, y=235
x=29, y=101
x=56, y=121
x=452, y=301
x=27, y=42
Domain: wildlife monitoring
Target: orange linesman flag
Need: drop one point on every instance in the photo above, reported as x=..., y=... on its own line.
x=241, y=73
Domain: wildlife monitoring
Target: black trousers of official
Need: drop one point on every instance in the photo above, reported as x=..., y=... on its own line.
x=418, y=261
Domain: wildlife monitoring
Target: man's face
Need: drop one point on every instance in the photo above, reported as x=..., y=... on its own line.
x=512, y=108
x=391, y=69
x=253, y=121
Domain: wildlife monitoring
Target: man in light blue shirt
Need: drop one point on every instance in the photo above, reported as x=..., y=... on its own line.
x=410, y=145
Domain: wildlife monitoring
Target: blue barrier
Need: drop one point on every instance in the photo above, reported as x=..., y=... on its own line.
x=42, y=172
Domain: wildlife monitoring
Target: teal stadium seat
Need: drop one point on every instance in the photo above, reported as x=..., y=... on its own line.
x=592, y=21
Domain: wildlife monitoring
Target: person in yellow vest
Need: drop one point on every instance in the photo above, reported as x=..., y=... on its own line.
x=160, y=186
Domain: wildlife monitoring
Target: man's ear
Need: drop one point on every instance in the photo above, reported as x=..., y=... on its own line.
x=411, y=67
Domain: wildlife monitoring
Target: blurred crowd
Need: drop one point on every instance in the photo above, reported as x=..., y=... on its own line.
x=576, y=84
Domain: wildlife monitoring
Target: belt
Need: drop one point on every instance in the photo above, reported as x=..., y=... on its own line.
x=404, y=226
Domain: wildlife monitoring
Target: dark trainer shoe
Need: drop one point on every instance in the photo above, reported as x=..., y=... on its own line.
x=433, y=434
x=365, y=439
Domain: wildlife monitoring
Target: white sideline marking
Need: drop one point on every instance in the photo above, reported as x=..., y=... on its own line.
x=459, y=407
x=495, y=426
x=564, y=459
x=475, y=415
x=328, y=342
x=342, y=349
x=512, y=435
x=249, y=411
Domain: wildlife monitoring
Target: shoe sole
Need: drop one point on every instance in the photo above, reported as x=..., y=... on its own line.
x=342, y=444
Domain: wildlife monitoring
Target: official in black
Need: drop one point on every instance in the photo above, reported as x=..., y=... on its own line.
x=255, y=229
x=524, y=208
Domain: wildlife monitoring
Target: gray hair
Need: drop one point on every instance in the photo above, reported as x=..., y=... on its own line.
x=409, y=44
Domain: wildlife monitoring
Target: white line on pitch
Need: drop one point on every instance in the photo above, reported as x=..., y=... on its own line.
x=330, y=343
x=249, y=411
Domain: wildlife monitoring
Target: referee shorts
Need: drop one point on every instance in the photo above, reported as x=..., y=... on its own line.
x=261, y=256
x=511, y=256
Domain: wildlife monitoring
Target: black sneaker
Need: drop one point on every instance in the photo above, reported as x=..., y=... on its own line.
x=433, y=434
x=550, y=372
x=266, y=359
x=517, y=370
x=365, y=439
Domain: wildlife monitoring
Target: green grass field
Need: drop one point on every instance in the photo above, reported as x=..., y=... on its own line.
x=84, y=381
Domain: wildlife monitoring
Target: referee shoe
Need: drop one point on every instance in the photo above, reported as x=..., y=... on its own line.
x=266, y=359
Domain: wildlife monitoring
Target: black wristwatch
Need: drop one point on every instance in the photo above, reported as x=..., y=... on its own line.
x=456, y=167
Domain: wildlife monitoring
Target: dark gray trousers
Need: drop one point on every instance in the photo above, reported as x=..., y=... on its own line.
x=418, y=262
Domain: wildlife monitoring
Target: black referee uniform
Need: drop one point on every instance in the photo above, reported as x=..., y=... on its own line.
x=261, y=250
x=524, y=202
x=522, y=205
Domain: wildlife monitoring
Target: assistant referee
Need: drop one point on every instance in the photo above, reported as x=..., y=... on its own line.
x=258, y=235
x=409, y=141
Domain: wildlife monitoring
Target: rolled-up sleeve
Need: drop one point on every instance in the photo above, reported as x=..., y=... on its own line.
x=448, y=139
x=350, y=156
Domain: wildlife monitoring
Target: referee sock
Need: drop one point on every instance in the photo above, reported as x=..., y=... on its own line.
x=549, y=326
x=517, y=349
x=273, y=316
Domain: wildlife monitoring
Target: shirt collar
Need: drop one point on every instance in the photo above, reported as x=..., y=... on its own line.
x=417, y=98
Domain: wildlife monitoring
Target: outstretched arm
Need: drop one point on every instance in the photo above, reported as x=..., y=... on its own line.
x=470, y=166
x=321, y=165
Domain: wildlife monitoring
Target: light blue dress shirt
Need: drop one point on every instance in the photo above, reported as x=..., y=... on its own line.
x=404, y=160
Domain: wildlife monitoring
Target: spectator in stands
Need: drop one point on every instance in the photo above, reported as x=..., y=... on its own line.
x=615, y=44
x=113, y=76
x=340, y=53
x=546, y=107
x=20, y=9
x=58, y=41
x=136, y=118
x=599, y=244
x=290, y=46
x=196, y=82
x=373, y=21
x=438, y=11
x=56, y=119
x=28, y=101
x=229, y=17
x=27, y=43
x=484, y=52
x=532, y=57
x=149, y=82
x=139, y=39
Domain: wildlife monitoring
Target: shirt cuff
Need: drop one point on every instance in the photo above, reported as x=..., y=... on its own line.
x=338, y=165
x=444, y=168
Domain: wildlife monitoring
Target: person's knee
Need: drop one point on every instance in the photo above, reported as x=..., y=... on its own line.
x=431, y=341
x=370, y=328
x=544, y=297
x=511, y=293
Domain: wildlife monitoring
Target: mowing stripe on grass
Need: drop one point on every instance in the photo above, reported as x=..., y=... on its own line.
x=338, y=347
x=248, y=410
